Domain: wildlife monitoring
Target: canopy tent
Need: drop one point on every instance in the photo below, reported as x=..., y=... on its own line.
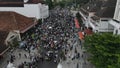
x=10, y=65
x=59, y=65
x=76, y=23
x=81, y=35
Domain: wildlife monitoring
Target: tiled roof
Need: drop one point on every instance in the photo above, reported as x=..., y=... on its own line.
x=3, y=36
x=11, y=3
x=11, y=0
x=14, y=21
x=35, y=1
x=18, y=3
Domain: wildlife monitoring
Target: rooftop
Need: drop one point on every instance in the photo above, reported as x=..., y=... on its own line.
x=102, y=8
x=35, y=1
x=13, y=21
x=18, y=3
x=11, y=0
x=11, y=3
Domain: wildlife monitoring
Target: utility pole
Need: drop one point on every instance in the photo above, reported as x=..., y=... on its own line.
x=75, y=4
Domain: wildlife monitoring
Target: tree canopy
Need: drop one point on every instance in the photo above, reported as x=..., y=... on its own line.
x=50, y=3
x=104, y=49
x=78, y=16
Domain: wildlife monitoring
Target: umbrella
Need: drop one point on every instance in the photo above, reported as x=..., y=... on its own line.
x=10, y=65
x=59, y=65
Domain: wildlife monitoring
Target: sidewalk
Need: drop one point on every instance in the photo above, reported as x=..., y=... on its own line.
x=18, y=60
x=21, y=59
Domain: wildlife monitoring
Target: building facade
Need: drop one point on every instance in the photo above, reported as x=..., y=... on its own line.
x=117, y=11
x=12, y=25
x=116, y=20
x=29, y=9
x=97, y=13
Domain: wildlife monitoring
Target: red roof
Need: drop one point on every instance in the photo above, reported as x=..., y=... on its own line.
x=76, y=23
x=14, y=21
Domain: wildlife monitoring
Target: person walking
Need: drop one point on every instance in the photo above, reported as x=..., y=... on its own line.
x=19, y=55
x=25, y=55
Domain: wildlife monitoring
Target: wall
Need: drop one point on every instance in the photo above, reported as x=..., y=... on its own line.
x=44, y=11
x=117, y=11
x=29, y=10
x=12, y=35
x=104, y=26
x=116, y=26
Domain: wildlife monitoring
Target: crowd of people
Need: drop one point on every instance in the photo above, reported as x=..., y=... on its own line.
x=51, y=36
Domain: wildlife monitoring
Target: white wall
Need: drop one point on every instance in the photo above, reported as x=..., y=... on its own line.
x=116, y=26
x=104, y=26
x=44, y=11
x=117, y=11
x=29, y=10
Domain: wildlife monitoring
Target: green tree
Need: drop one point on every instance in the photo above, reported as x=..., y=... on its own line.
x=62, y=3
x=104, y=50
x=50, y=3
x=79, y=18
x=80, y=2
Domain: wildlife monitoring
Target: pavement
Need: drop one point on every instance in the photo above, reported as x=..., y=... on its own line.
x=80, y=62
x=18, y=60
x=47, y=64
x=21, y=59
x=3, y=62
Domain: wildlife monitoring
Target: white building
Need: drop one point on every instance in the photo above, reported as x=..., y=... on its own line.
x=36, y=10
x=116, y=21
x=97, y=13
x=116, y=25
x=117, y=11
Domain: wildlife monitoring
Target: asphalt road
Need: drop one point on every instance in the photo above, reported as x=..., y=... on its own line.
x=47, y=64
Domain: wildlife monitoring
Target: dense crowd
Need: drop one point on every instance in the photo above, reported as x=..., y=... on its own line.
x=51, y=36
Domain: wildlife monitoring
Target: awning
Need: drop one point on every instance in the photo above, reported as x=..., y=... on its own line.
x=88, y=31
x=76, y=23
x=81, y=35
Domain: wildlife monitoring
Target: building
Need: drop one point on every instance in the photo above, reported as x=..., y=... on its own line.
x=13, y=24
x=97, y=13
x=29, y=8
x=117, y=11
x=57, y=1
x=116, y=20
x=3, y=47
